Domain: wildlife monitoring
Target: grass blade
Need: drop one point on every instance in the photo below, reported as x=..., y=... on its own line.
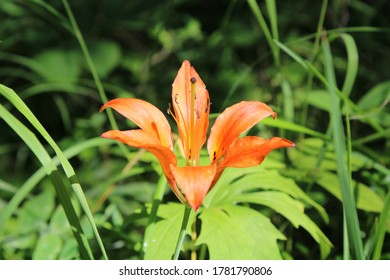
x=352, y=65
x=92, y=68
x=70, y=173
x=339, y=140
x=36, y=147
x=273, y=18
x=283, y=124
x=308, y=66
x=259, y=16
x=382, y=227
x=309, y=83
x=34, y=179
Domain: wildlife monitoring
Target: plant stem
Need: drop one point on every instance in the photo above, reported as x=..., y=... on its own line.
x=92, y=68
x=187, y=212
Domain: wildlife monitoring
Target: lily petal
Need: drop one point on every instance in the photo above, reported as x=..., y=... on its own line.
x=146, y=116
x=192, y=122
x=141, y=139
x=251, y=150
x=232, y=122
x=194, y=182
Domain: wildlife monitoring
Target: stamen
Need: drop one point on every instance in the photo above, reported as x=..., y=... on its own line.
x=192, y=125
x=170, y=112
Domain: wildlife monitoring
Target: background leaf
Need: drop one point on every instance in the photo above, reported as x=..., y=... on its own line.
x=48, y=247
x=162, y=242
x=59, y=65
x=229, y=229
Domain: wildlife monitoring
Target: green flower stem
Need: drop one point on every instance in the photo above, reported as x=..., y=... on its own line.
x=187, y=212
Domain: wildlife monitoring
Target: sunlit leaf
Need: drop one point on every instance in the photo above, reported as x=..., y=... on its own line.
x=367, y=199
x=291, y=209
x=36, y=211
x=163, y=240
x=48, y=247
x=239, y=233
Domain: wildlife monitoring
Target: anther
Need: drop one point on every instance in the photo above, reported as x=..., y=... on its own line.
x=193, y=80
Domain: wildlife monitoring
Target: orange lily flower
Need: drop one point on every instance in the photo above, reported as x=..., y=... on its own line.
x=191, y=108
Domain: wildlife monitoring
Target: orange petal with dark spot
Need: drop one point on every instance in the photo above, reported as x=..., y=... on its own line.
x=181, y=103
x=251, y=150
x=232, y=122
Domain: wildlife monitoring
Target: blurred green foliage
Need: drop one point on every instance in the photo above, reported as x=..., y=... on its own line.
x=137, y=48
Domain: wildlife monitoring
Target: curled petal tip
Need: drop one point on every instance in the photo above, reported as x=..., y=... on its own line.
x=105, y=135
x=102, y=108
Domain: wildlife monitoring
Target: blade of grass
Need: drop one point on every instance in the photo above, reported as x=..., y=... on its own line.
x=69, y=171
x=34, y=179
x=309, y=83
x=259, y=16
x=330, y=32
x=283, y=124
x=288, y=100
x=352, y=65
x=67, y=88
x=24, y=61
x=308, y=66
x=36, y=147
x=273, y=18
x=372, y=137
x=382, y=227
x=346, y=244
x=341, y=151
x=93, y=70
x=288, y=104
x=7, y=187
x=59, y=17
